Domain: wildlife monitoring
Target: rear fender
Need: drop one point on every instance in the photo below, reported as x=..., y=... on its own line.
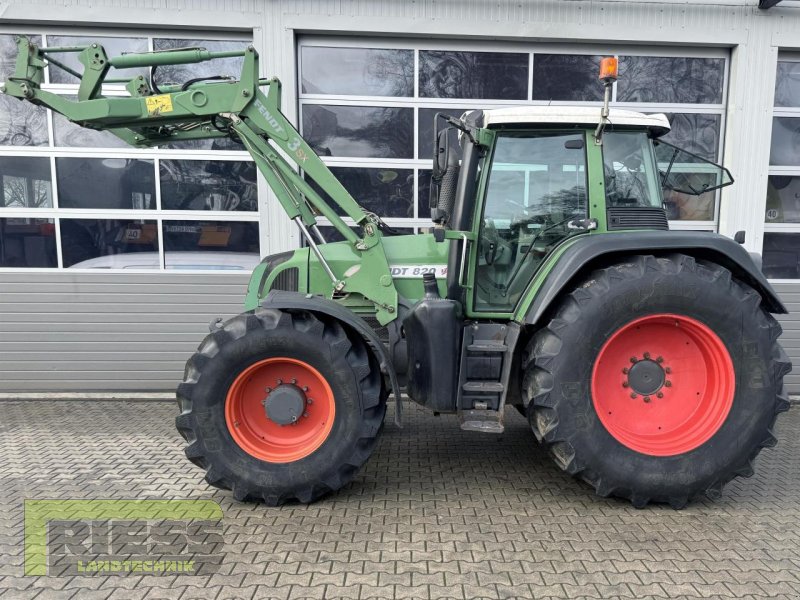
x=323, y=306
x=594, y=251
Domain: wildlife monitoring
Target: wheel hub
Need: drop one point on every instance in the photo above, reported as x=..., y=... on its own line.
x=646, y=377
x=285, y=404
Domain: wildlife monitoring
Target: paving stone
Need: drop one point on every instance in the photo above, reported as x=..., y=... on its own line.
x=436, y=513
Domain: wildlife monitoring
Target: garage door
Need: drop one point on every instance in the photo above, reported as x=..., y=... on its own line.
x=367, y=106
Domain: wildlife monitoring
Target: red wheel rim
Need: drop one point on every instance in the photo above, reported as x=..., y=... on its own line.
x=663, y=384
x=256, y=391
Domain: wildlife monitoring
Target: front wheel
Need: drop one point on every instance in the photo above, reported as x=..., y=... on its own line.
x=658, y=379
x=281, y=406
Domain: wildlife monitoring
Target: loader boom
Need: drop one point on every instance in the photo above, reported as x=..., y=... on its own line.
x=213, y=108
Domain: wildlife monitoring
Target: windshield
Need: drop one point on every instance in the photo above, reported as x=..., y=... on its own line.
x=630, y=174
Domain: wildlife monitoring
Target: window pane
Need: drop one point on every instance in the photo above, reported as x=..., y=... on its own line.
x=114, y=46
x=668, y=79
x=425, y=136
x=28, y=243
x=106, y=183
x=787, y=84
x=26, y=182
x=357, y=71
x=67, y=133
x=782, y=255
x=179, y=74
x=218, y=245
x=386, y=192
x=109, y=244
x=698, y=134
x=629, y=172
x=424, y=193
x=783, y=199
x=22, y=123
x=484, y=75
x=785, y=149
x=364, y=131
x=208, y=185
x=8, y=52
x=566, y=77
x=686, y=207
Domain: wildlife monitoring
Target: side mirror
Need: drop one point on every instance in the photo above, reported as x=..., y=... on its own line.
x=441, y=147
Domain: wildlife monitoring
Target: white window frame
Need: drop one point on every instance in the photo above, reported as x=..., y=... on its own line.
x=782, y=111
x=53, y=152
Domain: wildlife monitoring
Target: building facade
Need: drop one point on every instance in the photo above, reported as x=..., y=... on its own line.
x=113, y=259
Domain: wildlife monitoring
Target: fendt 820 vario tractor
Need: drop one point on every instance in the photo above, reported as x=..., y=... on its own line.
x=646, y=360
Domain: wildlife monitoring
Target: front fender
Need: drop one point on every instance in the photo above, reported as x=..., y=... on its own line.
x=323, y=306
x=597, y=250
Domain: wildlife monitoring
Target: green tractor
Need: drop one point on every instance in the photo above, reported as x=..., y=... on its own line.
x=645, y=360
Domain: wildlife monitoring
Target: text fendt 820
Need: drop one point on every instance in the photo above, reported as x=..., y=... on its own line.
x=646, y=360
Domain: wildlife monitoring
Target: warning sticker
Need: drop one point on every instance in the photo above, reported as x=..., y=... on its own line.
x=158, y=105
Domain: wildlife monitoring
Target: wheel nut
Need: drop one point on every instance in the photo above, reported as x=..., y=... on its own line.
x=660, y=359
x=305, y=414
x=660, y=394
x=633, y=395
x=625, y=371
x=647, y=355
x=280, y=381
x=268, y=390
x=667, y=370
x=647, y=398
x=668, y=383
x=634, y=359
x=294, y=380
x=309, y=401
x=624, y=384
x=305, y=388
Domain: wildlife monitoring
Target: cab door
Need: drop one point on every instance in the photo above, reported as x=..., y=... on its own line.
x=535, y=185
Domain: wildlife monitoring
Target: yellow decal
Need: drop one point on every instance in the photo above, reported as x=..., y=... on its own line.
x=157, y=105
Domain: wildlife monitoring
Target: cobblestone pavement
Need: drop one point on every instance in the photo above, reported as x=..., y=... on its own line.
x=437, y=512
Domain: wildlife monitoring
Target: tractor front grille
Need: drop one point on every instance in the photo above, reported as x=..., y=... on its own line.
x=286, y=280
x=642, y=217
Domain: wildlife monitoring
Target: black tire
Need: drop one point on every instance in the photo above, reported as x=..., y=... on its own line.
x=559, y=359
x=341, y=357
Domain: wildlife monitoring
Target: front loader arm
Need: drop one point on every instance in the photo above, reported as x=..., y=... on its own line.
x=213, y=108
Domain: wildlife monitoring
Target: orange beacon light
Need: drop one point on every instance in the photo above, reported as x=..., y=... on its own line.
x=608, y=69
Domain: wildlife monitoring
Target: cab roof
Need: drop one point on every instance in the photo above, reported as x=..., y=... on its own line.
x=658, y=124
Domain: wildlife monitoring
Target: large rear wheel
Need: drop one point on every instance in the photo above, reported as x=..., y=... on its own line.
x=657, y=379
x=281, y=406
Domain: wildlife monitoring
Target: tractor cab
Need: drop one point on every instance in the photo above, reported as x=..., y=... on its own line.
x=532, y=177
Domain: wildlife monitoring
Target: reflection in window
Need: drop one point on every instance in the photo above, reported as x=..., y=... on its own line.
x=781, y=255
x=425, y=125
x=109, y=244
x=424, y=193
x=22, y=123
x=670, y=79
x=785, y=148
x=114, y=46
x=217, y=245
x=566, y=77
x=105, y=183
x=479, y=75
x=783, y=199
x=687, y=207
x=28, y=243
x=180, y=74
x=363, y=131
x=8, y=52
x=26, y=182
x=208, y=185
x=696, y=133
x=787, y=84
x=215, y=144
x=357, y=71
x=332, y=235
x=386, y=192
